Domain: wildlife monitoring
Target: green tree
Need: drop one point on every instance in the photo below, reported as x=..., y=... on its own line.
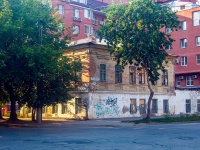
x=134, y=35
x=33, y=69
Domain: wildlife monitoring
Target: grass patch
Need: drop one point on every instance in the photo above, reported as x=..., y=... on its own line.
x=168, y=119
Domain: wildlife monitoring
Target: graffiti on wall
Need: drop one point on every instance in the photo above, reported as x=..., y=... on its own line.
x=111, y=101
x=125, y=109
x=108, y=108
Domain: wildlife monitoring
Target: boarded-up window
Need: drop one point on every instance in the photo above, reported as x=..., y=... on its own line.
x=142, y=106
x=133, y=106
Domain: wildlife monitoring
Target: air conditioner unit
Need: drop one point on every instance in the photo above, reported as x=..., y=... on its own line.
x=176, y=61
x=181, y=77
x=194, y=76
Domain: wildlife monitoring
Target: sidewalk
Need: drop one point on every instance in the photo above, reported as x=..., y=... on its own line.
x=64, y=123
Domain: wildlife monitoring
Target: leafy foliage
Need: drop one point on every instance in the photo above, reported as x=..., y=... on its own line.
x=133, y=34
x=33, y=69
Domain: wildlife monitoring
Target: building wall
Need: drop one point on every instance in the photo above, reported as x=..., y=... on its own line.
x=191, y=51
x=117, y=104
x=69, y=22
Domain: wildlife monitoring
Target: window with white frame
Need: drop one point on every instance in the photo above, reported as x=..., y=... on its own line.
x=75, y=29
x=89, y=30
x=60, y=9
x=196, y=18
x=183, y=25
x=198, y=59
x=178, y=81
x=95, y=20
x=88, y=13
x=76, y=12
x=198, y=41
x=81, y=1
x=184, y=61
x=189, y=81
x=168, y=30
x=183, y=43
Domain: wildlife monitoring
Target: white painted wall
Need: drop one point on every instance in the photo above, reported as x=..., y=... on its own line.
x=100, y=108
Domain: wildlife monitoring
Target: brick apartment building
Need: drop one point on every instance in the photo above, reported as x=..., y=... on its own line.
x=83, y=17
x=187, y=46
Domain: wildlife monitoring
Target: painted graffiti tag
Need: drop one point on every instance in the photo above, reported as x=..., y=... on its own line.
x=110, y=111
x=111, y=101
x=125, y=109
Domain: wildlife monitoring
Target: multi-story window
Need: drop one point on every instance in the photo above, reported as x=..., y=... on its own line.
x=183, y=43
x=168, y=47
x=165, y=78
x=132, y=75
x=188, y=105
x=178, y=81
x=89, y=30
x=60, y=9
x=198, y=59
x=95, y=20
x=196, y=18
x=198, y=41
x=189, y=81
x=141, y=74
x=133, y=106
x=154, y=106
x=183, y=61
x=103, y=72
x=168, y=30
x=76, y=30
x=198, y=105
x=165, y=106
x=118, y=74
x=183, y=25
x=76, y=12
x=88, y=13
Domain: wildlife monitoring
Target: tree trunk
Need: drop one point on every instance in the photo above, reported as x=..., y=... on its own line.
x=39, y=115
x=13, y=114
x=149, y=101
x=33, y=114
x=1, y=116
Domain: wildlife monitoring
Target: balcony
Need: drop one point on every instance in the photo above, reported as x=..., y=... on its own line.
x=77, y=19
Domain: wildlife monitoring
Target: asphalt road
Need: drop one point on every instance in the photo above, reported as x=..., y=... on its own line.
x=102, y=135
